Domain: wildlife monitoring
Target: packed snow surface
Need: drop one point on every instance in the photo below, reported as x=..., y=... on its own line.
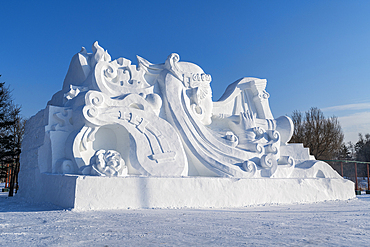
x=334, y=223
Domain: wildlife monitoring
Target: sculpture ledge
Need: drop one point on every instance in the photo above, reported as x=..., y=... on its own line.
x=104, y=193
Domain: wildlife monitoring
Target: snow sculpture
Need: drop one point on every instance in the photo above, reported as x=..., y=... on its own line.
x=234, y=137
x=115, y=119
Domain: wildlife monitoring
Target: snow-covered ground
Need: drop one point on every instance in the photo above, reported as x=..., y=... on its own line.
x=336, y=223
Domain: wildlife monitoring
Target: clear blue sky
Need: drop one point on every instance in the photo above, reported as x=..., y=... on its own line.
x=313, y=53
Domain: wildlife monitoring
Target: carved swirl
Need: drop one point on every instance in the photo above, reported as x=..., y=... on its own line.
x=175, y=57
x=172, y=66
x=262, y=95
x=96, y=99
x=110, y=72
x=92, y=111
x=268, y=161
x=249, y=166
x=272, y=148
x=265, y=95
x=259, y=148
x=196, y=77
x=273, y=135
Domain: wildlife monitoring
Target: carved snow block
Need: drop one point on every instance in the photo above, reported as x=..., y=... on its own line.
x=101, y=193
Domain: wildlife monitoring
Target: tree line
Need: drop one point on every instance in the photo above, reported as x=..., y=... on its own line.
x=325, y=139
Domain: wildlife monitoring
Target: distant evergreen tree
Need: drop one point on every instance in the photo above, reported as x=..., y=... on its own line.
x=11, y=133
x=345, y=152
x=362, y=148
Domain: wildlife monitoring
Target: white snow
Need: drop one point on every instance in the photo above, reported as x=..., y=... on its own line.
x=135, y=192
x=334, y=223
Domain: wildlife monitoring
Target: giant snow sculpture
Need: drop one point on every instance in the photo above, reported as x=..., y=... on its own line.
x=156, y=124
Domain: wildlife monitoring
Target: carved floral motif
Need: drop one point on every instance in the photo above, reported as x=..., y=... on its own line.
x=108, y=163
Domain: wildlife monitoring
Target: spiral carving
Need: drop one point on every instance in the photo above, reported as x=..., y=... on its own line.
x=96, y=99
x=262, y=95
x=273, y=135
x=265, y=95
x=268, y=161
x=110, y=72
x=92, y=111
x=250, y=167
x=259, y=148
x=175, y=57
x=272, y=149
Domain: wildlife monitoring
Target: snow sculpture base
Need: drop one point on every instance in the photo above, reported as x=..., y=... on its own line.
x=101, y=193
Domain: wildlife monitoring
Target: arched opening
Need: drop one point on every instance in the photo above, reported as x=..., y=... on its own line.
x=115, y=137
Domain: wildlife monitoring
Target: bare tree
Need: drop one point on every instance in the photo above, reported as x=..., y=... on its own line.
x=323, y=136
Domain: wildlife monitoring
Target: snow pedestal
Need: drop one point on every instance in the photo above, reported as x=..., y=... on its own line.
x=98, y=193
x=121, y=136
